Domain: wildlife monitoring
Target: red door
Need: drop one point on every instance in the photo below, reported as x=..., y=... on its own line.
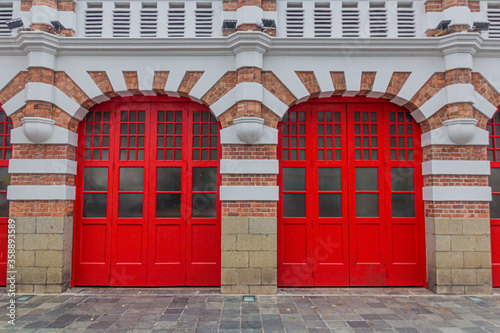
x=351, y=210
x=5, y=155
x=147, y=201
x=494, y=157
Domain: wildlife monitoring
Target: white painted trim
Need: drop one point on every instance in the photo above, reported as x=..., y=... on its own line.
x=458, y=15
x=273, y=103
x=243, y=166
x=38, y=91
x=68, y=19
x=42, y=14
x=15, y=103
x=248, y=91
x=224, y=103
x=439, y=136
x=249, y=193
x=249, y=15
x=37, y=58
x=39, y=166
x=41, y=192
x=458, y=60
x=457, y=193
x=59, y=136
x=484, y=106
x=269, y=136
x=290, y=79
x=455, y=167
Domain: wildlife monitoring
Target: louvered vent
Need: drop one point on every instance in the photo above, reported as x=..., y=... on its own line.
x=350, y=20
x=494, y=18
x=149, y=19
x=294, y=19
x=121, y=19
x=322, y=20
x=93, y=19
x=5, y=15
x=378, y=20
x=204, y=14
x=406, y=20
x=176, y=18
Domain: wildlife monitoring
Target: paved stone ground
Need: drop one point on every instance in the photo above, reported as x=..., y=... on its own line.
x=293, y=310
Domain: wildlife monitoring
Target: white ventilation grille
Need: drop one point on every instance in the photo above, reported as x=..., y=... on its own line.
x=121, y=19
x=204, y=14
x=494, y=18
x=322, y=20
x=378, y=20
x=350, y=20
x=294, y=19
x=176, y=19
x=406, y=20
x=5, y=15
x=149, y=19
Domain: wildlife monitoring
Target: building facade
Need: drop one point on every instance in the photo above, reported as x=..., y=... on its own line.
x=251, y=145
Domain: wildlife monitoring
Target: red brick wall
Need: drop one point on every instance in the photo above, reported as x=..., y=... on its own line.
x=397, y=82
x=248, y=180
x=159, y=82
x=21, y=208
x=455, y=180
x=271, y=82
x=188, y=82
x=338, y=79
x=249, y=208
x=42, y=179
x=258, y=152
x=457, y=210
x=367, y=80
x=222, y=87
x=13, y=87
x=44, y=152
x=470, y=153
x=309, y=81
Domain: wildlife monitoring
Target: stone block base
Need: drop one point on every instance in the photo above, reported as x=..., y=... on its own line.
x=43, y=254
x=249, y=255
x=458, y=255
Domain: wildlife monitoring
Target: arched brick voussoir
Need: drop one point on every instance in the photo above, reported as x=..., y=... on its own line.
x=46, y=110
x=485, y=89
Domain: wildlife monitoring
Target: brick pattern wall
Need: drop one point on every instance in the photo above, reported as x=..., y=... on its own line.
x=248, y=180
x=42, y=179
x=257, y=152
x=242, y=3
x=483, y=87
x=474, y=6
x=102, y=81
x=453, y=3
x=66, y=6
x=132, y=83
x=271, y=82
x=12, y=88
x=249, y=209
x=455, y=180
x=309, y=81
x=49, y=3
x=188, y=82
x=269, y=5
x=397, y=82
x=433, y=6
x=159, y=82
x=338, y=79
x=22, y=151
x=457, y=209
x=64, y=83
x=229, y=5
x=367, y=80
x=222, y=87
x=26, y=5
x=33, y=208
x=435, y=83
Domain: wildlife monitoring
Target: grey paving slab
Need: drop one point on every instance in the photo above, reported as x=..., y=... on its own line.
x=292, y=310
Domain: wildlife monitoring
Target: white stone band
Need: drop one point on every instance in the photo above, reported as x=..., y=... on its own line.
x=59, y=136
x=42, y=166
x=270, y=167
x=249, y=193
x=457, y=193
x=449, y=167
x=41, y=192
x=439, y=136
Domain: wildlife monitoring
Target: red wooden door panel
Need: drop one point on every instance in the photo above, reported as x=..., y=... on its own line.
x=494, y=157
x=351, y=211
x=367, y=241
x=137, y=224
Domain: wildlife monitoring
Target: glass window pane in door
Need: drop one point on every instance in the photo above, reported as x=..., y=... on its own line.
x=130, y=205
x=402, y=179
x=330, y=205
x=330, y=179
x=367, y=205
x=294, y=179
x=168, y=205
x=205, y=179
x=131, y=179
x=294, y=205
x=168, y=179
x=495, y=179
x=366, y=179
x=95, y=179
x=495, y=206
x=204, y=205
x=403, y=205
x=94, y=204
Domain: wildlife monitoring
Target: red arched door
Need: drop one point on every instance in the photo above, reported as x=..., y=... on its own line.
x=147, y=208
x=5, y=155
x=494, y=157
x=351, y=209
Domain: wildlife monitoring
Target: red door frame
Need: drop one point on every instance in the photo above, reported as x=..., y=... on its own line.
x=196, y=271
x=312, y=271
x=5, y=155
x=493, y=149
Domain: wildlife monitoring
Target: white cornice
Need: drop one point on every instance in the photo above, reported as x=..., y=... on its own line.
x=245, y=41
